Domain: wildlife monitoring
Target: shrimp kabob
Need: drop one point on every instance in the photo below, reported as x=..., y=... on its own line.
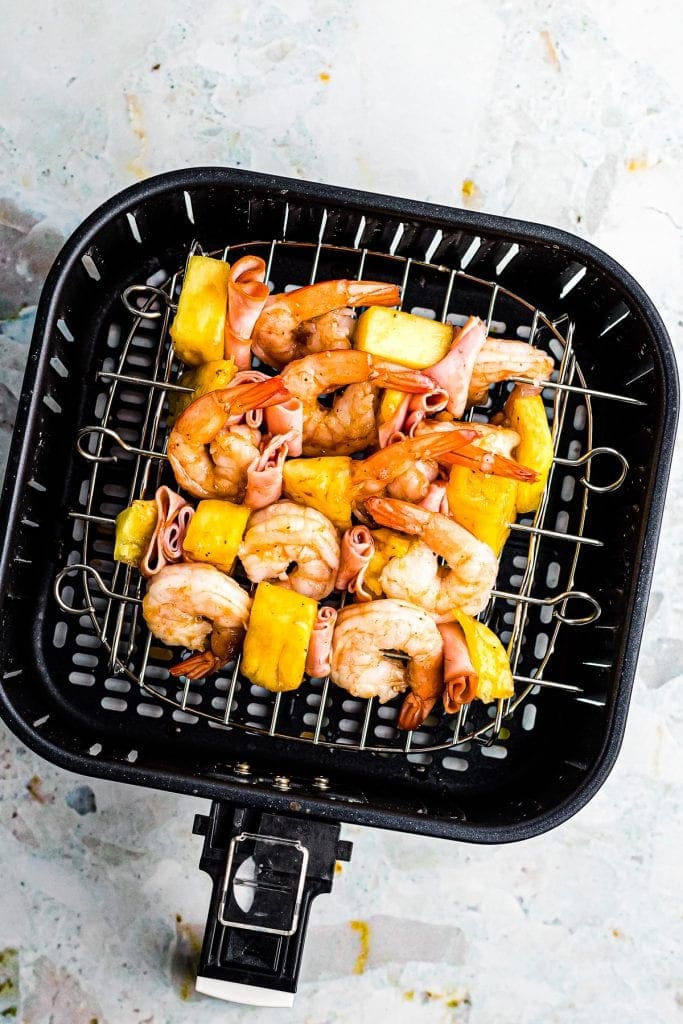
x=409, y=529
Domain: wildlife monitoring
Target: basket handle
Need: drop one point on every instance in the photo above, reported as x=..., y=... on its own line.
x=266, y=870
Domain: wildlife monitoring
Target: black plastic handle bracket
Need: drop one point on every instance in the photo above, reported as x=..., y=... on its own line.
x=266, y=870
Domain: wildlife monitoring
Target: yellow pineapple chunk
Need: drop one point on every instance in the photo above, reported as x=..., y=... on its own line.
x=402, y=337
x=323, y=483
x=215, y=533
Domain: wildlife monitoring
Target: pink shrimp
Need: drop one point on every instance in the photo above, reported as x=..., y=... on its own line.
x=196, y=605
x=499, y=360
x=349, y=425
x=363, y=636
x=197, y=444
x=314, y=318
x=464, y=583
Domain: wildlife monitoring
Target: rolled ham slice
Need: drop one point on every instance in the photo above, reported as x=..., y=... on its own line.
x=454, y=371
x=288, y=418
x=357, y=548
x=166, y=544
x=460, y=678
x=264, y=475
x=319, y=650
x=430, y=402
x=247, y=294
x=388, y=430
x=436, y=499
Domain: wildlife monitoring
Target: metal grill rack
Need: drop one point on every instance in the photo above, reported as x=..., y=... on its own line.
x=536, y=594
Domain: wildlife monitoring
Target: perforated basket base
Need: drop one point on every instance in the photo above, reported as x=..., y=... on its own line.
x=57, y=691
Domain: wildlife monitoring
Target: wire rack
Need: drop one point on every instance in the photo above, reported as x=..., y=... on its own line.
x=535, y=597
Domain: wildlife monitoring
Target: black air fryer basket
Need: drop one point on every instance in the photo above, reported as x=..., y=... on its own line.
x=85, y=685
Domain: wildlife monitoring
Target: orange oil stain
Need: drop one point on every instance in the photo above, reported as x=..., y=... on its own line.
x=637, y=163
x=363, y=929
x=550, y=48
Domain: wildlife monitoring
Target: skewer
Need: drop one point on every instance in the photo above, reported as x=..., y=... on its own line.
x=575, y=389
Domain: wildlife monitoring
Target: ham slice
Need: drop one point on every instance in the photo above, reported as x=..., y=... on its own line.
x=460, y=678
x=319, y=650
x=436, y=499
x=357, y=548
x=166, y=544
x=388, y=430
x=288, y=418
x=247, y=295
x=264, y=475
x=454, y=371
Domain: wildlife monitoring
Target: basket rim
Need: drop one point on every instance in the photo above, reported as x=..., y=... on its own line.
x=502, y=228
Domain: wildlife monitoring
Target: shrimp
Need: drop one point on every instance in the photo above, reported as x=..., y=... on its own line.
x=233, y=451
x=349, y=425
x=499, y=360
x=196, y=605
x=286, y=534
x=363, y=636
x=373, y=475
x=464, y=583
x=314, y=319
x=201, y=460
x=489, y=453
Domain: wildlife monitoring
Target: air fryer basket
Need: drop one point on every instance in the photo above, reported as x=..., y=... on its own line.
x=95, y=385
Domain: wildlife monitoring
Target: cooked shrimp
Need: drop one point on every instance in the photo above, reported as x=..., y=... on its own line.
x=414, y=484
x=466, y=580
x=489, y=452
x=197, y=455
x=314, y=319
x=284, y=535
x=363, y=636
x=233, y=450
x=349, y=425
x=499, y=360
x=194, y=605
x=374, y=474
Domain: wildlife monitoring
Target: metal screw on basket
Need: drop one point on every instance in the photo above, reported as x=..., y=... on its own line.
x=242, y=768
x=321, y=782
x=281, y=782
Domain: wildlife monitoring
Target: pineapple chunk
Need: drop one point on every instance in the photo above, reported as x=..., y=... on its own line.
x=278, y=635
x=134, y=529
x=488, y=658
x=526, y=414
x=388, y=544
x=402, y=337
x=215, y=533
x=389, y=405
x=324, y=484
x=198, y=328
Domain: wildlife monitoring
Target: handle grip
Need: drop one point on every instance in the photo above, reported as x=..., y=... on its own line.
x=266, y=871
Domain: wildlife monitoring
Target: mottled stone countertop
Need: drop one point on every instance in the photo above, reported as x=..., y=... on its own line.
x=569, y=114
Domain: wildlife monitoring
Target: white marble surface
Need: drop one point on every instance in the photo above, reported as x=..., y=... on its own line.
x=570, y=114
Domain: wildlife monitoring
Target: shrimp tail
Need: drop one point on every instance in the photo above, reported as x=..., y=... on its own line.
x=414, y=710
x=260, y=395
x=372, y=293
x=398, y=515
x=476, y=458
x=197, y=666
x=409, y=381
